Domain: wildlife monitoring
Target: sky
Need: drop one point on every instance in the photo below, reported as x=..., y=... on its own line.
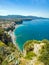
x=38, y=8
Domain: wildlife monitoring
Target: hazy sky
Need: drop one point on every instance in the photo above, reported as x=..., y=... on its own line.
x=25, y=7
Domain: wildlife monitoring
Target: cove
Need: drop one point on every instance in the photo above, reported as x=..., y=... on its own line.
x=32, y=30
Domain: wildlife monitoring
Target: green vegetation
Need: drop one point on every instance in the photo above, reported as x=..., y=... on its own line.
x=41, y=53
x=44, y=57
x=29, y=55
x=7, y=49
x=37, y=51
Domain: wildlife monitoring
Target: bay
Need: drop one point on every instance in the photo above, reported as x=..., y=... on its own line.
x=32, y=30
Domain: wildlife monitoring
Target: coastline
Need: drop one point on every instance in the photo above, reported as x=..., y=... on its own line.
x=13, y=38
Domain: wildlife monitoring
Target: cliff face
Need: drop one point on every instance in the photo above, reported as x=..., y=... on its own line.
x=8, y=54
x=37, y=52
x=34, y=52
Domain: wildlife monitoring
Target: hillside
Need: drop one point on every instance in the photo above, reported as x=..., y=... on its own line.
x=34, y=52
x=20, y=17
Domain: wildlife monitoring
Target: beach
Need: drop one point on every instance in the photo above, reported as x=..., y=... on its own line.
x=13, y=37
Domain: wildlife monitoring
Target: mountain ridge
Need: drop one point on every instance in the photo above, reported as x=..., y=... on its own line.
x=20, y=16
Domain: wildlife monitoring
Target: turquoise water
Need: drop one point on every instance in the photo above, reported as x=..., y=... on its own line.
x=32, y=30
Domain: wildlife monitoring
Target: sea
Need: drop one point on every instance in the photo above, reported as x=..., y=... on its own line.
x=31, y=30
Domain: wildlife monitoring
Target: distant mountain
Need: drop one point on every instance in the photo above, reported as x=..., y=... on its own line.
x=21, y=17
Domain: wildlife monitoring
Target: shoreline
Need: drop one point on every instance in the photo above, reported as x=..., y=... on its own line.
x=13, y=38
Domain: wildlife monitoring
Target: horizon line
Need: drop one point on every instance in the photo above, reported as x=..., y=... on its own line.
x=23, y=15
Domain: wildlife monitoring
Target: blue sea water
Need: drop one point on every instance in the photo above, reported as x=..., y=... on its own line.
x=32, y=30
